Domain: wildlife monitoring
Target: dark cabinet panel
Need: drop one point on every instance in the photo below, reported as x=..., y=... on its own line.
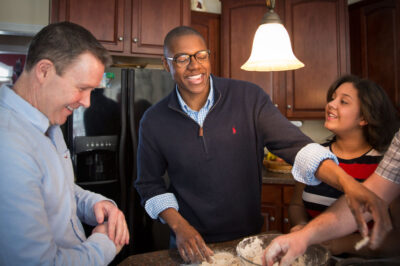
x=319, y=34
x=275, y=199
x=152, y=20
x=240, y=20
x=208, y=25
x=375, y=43
x=272, y=217
x=104, y=19
x=125, y=27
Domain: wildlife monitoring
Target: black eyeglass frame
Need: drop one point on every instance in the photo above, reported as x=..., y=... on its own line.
x=189, y=56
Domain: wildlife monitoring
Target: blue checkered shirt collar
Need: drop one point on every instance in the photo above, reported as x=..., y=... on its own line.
x=202, y=113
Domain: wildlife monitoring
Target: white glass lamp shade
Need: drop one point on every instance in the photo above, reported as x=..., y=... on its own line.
x=272, y=50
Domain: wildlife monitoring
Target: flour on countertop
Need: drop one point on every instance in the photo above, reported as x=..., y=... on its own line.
x=220, y=259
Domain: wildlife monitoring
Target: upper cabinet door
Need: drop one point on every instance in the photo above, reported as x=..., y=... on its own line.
x=239, y=22
x=318, y=30
x=375, y=44
x=104, y=19
x=209, y=25
x=319, y=35
x=152, y=20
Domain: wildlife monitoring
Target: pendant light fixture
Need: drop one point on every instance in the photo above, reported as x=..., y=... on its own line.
x=272, y=50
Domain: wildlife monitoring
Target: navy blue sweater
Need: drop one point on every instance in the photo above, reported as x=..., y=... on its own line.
x=216, y=177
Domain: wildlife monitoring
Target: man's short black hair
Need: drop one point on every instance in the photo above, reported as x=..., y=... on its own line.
x=178, y=32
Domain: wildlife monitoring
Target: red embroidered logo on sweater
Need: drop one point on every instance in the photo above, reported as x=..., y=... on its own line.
x=233, y=130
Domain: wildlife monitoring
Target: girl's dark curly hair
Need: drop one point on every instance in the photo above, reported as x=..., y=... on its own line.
x=375, y=107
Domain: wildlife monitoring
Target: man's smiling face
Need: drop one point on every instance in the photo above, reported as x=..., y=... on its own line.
x=193, y=79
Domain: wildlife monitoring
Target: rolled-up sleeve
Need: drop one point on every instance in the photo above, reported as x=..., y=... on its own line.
x=307, y=162
x=155, y=205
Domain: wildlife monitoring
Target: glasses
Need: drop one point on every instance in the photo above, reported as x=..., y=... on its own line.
x=182, y=60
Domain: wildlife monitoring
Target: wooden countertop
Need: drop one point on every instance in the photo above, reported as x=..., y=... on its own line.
x=171, y=257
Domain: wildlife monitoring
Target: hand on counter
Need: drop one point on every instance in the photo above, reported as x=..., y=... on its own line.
x=190, y=244
x=116, y=227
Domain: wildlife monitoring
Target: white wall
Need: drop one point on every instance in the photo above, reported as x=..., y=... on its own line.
x=23, y=17
x=25, y=11
x=315, y=130
x=211, y=6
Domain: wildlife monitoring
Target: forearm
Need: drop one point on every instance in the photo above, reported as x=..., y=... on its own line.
x=297, y=215
x=297, y=212
x=385, y=189
x=46, y=240
x=173, y=218
x=330, y=173
x=336, y=221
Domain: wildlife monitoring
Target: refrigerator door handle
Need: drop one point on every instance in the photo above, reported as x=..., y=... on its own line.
x=122, y=143
x=131, y=106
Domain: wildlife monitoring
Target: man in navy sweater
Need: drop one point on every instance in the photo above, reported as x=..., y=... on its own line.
x=209, y=134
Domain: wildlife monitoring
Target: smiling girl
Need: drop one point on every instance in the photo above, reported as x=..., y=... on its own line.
x=363, y=121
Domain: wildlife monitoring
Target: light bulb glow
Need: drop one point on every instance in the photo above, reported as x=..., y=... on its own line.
x=272, y=50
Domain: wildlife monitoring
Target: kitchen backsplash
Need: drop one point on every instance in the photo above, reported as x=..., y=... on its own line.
x=315, y=130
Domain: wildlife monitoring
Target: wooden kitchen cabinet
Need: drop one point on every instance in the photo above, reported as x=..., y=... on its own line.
x=375, y=43
x=104, y=19
x=287, y=196
x=152, y=20
x=208, y=24
x=275, y=199
x=125, y=27
x=319, y=34
x=239, y=22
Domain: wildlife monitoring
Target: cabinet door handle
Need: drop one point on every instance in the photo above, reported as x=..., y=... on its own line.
x=276, y=105
x=286, y=220
x=272, y=219
x=120, y=39
x=289, y=106
x=135, y=40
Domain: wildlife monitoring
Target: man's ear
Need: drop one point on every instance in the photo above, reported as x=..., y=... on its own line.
x=165, y=63
x=43, y=69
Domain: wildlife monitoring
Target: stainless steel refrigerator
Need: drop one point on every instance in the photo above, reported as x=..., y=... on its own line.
x=103, y=142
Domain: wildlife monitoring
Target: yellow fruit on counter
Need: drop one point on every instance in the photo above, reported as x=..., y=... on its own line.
x=271, y=157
